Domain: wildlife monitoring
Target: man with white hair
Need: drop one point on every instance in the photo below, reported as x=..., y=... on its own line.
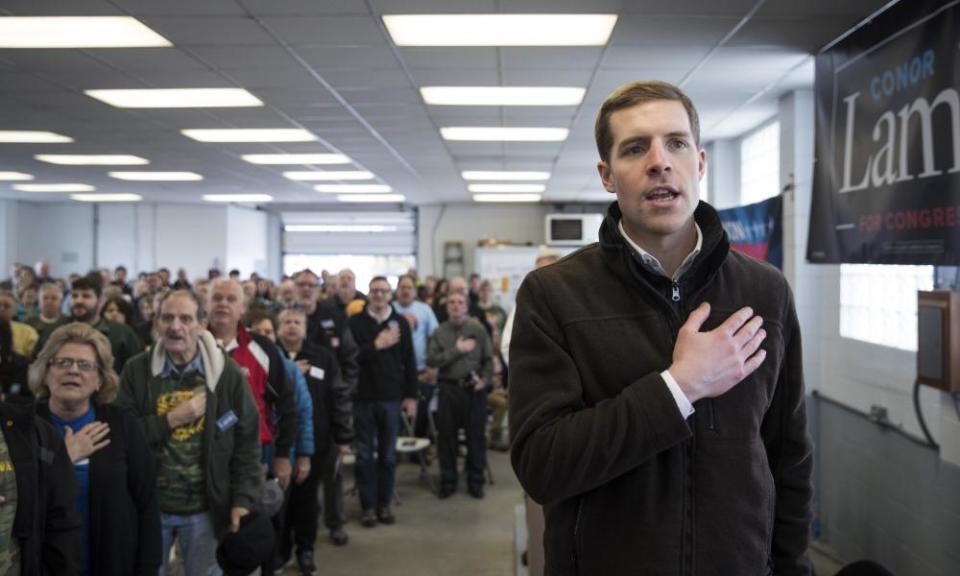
x=261, y=364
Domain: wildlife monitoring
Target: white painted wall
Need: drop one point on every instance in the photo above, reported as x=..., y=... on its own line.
x=61, y=234
x=9, y=232
x=517, y=224
x=247, y=241
x=193, y=237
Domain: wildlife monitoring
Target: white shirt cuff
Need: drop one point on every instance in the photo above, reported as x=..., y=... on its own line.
x=683, y=404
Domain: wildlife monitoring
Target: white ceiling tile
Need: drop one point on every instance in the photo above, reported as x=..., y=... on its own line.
x=326, y=30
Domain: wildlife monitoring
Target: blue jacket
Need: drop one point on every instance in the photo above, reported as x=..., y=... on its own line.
x=304, y=445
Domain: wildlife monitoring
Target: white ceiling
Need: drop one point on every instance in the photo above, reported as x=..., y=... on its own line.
x=329, y=66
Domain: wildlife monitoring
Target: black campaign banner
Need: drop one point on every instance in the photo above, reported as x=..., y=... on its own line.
x=887, y=175
x=756, y=229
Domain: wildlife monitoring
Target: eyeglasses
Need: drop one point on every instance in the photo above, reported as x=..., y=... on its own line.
x=65, y=363
x=379, y=291
x=307, y=285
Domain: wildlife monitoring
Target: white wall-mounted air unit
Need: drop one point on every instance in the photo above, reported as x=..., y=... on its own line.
x=573, y=229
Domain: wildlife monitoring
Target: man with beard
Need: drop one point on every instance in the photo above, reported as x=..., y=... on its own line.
x=85, y=307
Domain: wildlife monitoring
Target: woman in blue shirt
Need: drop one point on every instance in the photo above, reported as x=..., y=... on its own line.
x=74, y=380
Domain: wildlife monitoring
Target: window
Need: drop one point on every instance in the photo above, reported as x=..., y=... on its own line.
x=878, y=304
x=760, y=164
x=364, y=266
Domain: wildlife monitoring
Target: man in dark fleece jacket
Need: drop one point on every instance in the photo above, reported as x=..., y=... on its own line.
x=656, y=388
x=387, y=384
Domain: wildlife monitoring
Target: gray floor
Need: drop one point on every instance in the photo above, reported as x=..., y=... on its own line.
x=459, y=535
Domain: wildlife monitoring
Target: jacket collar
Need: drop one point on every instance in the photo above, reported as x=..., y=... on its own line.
x=623, y=260
x=214, y=359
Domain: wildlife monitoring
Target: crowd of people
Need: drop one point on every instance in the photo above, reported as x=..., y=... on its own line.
x=182, y=406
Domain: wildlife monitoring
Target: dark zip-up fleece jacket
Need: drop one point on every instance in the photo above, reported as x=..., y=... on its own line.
x=388, y=374
x=231, y=445
x=46, y=525
x=629, y=486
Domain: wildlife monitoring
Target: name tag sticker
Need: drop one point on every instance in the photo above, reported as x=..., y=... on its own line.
x=227, y=421
x=317, y=372
x=327, y=324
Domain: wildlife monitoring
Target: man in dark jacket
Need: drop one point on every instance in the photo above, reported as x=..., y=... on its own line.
x=388, y=383
x=327, y=325
x=656, y=393
x=333, y=434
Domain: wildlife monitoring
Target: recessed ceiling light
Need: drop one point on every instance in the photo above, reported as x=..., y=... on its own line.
x=12, y=176
x=296, y=158
x=77, y=32
x=500, y=29
x=504, y=175
x=506, y=187
x=494, y=134
x=250, y=135
x=106, y=197
x=237, y=198
x=156, y=176
x=506, y=197
x=330, y=175
x=371, y=198
x=353, y=188
x=72, y=187
x=339, y=228
x=177, y=98
x=501, y=96
x=32, y=136
x=91, y=159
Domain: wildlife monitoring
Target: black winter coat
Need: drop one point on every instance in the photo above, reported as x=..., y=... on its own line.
x=124, y=515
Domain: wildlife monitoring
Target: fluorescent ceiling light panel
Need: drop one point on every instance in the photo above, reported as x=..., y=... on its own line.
x=371, y=198
x=92, y=159
x=330, y=175
x=506, y=187
x=353, y=188
x=14, y=176
x=72, y=187
x=500, y=29
x=296, y=158
x=506, y=197
x=250, y=135
x=339, y=228
x=504, y=175
x=106, y=197
x=77, y=32
x=177, y=98
x=32, y=136
x=501, y=96
x=156, y=176
x=494, y=134
x=237, y=198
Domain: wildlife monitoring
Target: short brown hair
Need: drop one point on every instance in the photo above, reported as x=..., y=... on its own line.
x=633, y=94
x=76, y=333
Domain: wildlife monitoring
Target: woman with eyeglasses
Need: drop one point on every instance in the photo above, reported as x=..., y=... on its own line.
x=74, y=381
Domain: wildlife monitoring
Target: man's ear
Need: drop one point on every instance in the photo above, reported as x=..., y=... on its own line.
x=606, y=176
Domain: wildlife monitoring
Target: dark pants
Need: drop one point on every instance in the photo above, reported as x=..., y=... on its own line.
x=461, y=408
x=377, y=425
x=303, y=507
x=421, y=427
